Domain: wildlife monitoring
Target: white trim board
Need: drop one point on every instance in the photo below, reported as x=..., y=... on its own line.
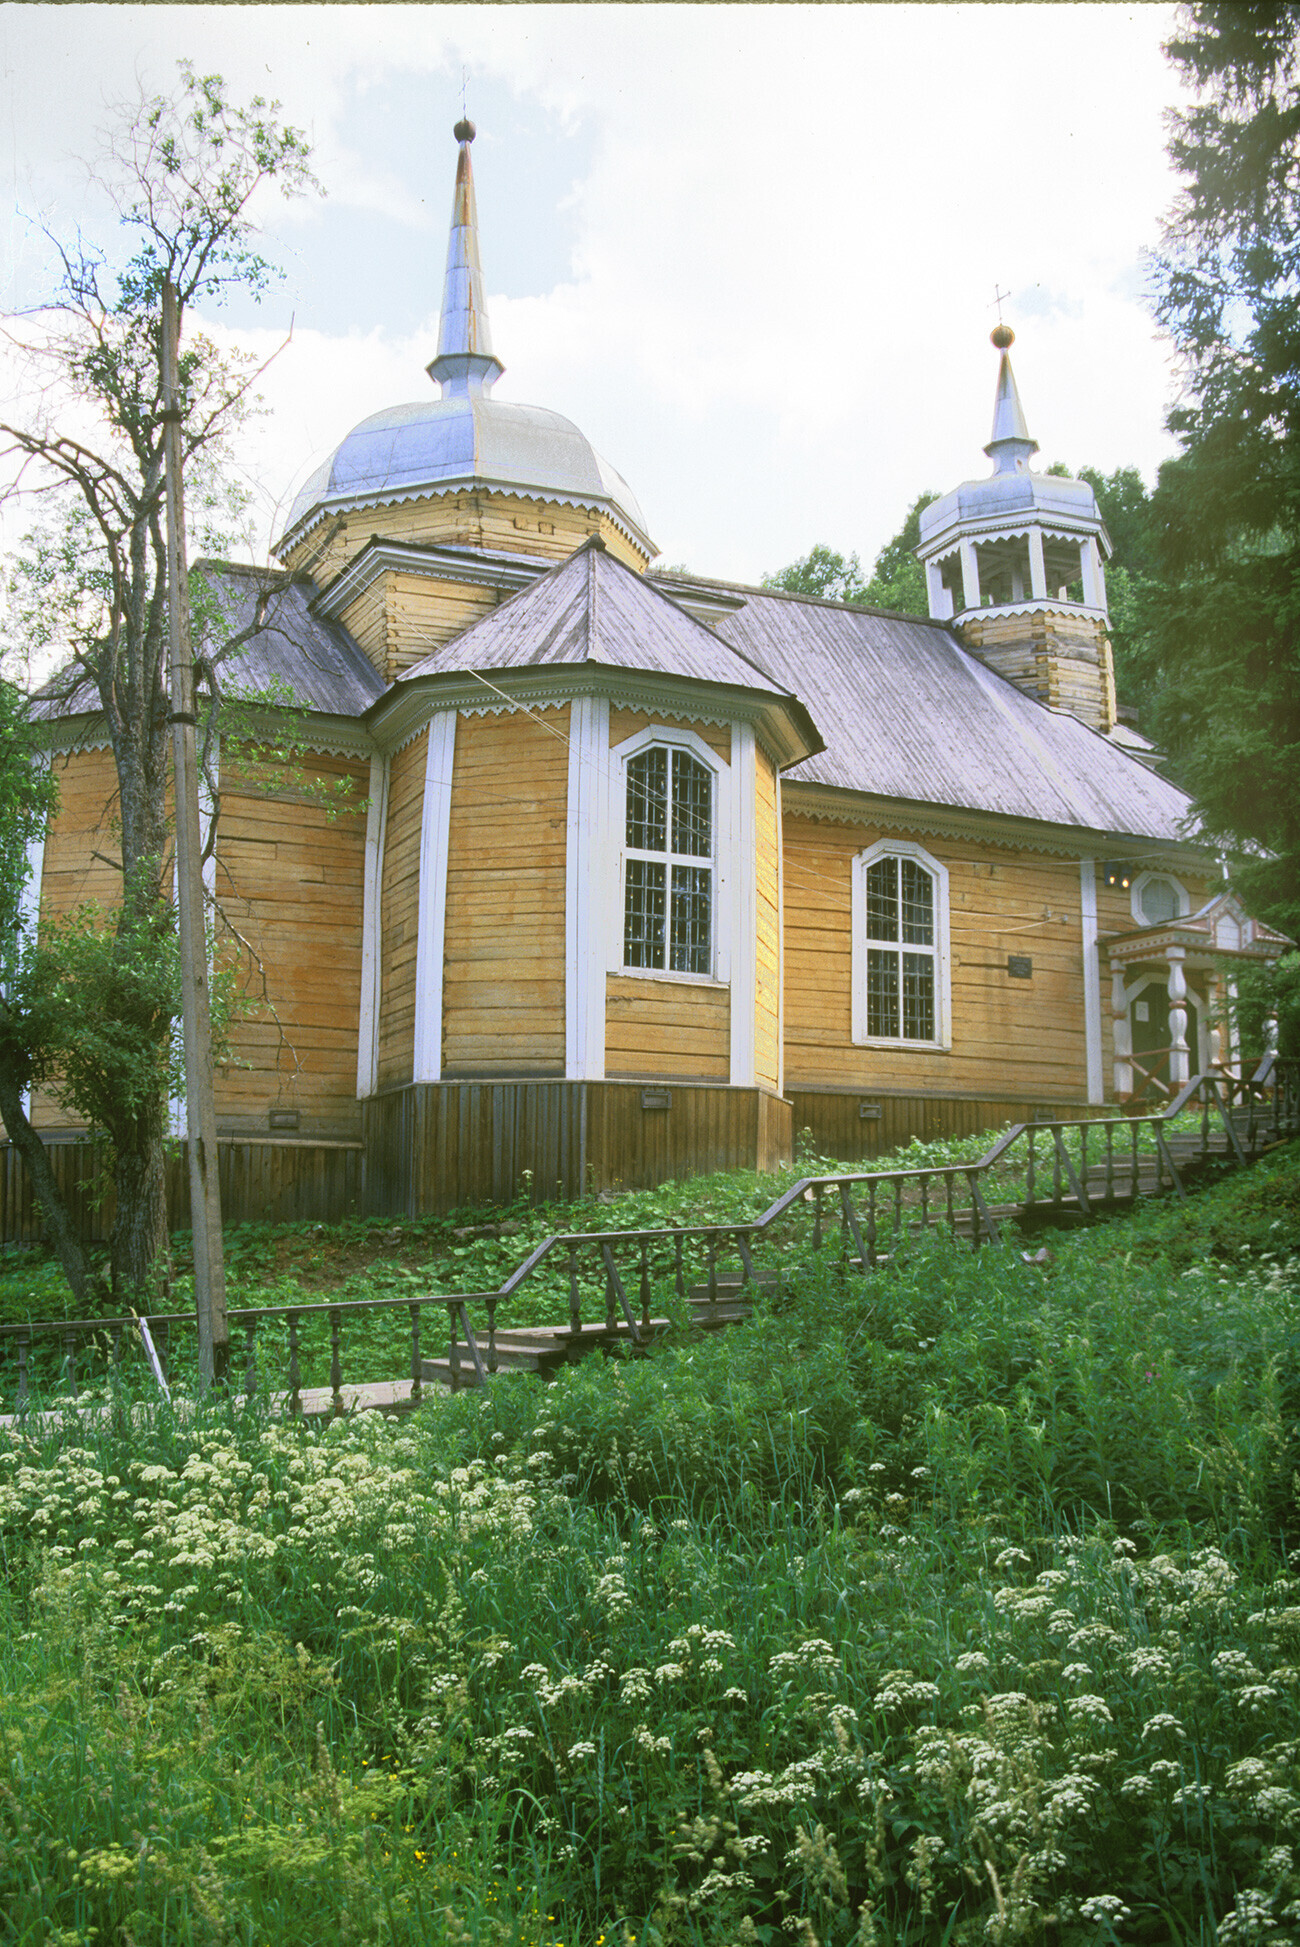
x=435, y=826
x=588, y=902
x=1091, y=980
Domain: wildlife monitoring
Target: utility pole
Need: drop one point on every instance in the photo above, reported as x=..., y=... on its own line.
x=200, y=1109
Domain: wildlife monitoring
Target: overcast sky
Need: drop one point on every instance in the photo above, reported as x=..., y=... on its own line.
x=751, y=251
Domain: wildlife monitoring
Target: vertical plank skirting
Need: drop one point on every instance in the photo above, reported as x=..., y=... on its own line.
x=740, y=863
x=1091, y=981
x=434, y=828
x=368, y=1020
x=588, y=893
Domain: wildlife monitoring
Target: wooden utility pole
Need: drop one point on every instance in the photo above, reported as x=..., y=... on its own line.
x=200, y=1109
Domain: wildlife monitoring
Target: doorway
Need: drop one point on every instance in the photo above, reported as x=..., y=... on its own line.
x=1148, y=1015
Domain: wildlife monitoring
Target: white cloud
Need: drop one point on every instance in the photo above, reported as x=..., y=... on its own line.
x=776, y=320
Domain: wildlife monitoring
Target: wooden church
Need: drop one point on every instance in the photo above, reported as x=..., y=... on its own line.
x=641, y=874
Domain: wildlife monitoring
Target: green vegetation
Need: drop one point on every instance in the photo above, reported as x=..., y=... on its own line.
x=954, y=1605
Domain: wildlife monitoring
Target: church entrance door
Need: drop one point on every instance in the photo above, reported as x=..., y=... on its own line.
x=1149, y=1021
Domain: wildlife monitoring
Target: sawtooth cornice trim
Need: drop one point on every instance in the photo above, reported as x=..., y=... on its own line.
x=480, y=567
x=510, y=490
x=822, y=804
x=397, y=717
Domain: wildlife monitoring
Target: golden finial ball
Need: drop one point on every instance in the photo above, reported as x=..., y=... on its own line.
x=464, y=131
x=1002, y=337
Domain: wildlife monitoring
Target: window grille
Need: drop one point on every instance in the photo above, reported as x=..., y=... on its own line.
x=667, y=898
x=902, y=958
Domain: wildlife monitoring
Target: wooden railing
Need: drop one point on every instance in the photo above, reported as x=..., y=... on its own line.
x=1054, y=1169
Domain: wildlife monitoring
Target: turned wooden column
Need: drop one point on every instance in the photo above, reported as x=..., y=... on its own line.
x=1122, y=1035
x=1179, y=1067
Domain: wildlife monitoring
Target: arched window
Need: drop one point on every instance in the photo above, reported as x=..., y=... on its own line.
x=900, y=947
x=668, y=887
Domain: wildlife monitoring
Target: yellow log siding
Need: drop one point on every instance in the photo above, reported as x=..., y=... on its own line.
x=81, y=847
x=471, y=519
x=673, y=1030
x=399, y=912
x=289, y=881
x=503, y=992
x=629, y=723
x=1008, y=1035
x=767, y=839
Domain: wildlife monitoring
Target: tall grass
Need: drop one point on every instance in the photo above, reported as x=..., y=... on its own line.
x=956, y=1605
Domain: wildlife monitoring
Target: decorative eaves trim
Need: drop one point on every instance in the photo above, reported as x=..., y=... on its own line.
x=822, y=804
x=1043, y=606
x=1005, y=527
x=478, y=567
x=472, y=483
x=328, y=736
x=402, y=714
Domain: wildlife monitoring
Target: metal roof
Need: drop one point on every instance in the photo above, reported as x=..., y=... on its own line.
x=466, y=437
x=908, y=713
x=296, y=657
x=593, y=609
x=467, y=440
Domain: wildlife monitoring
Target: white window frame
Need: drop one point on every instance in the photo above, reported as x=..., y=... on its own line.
x=898, y=848
x=672, y=737
x=1139, y=886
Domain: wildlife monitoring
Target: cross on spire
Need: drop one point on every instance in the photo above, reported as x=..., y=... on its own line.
x=999, y=298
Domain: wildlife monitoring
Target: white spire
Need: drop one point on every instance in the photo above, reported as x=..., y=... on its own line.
x=1011, y=447
x=465, y=363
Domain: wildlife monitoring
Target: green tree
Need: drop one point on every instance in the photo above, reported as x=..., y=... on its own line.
x=1225, y=631
x=897, y=580
x=92, y=586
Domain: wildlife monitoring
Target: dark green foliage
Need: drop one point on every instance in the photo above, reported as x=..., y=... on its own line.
x=1226, y=630
x=897, y=580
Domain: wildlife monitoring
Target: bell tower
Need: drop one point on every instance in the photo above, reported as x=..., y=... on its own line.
x=1016, y=562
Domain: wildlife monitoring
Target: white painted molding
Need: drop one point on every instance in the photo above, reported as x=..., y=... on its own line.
x=178, y=1121
x=589, y=861
x=435, y=827
x=738, y=865
x=29, y=905
x=371, y=914
x=1182, y=898
x=1091, y=981
x=901, y=848
x=780, y=939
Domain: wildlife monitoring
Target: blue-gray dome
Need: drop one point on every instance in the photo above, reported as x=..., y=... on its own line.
x=467, y=439
x=1003, y=499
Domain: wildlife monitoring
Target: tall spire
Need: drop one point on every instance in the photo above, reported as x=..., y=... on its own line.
x=1011, y=447
x=466, y=363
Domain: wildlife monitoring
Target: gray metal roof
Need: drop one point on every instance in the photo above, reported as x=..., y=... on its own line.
x=908, y=713
x=1012, y=495
x=592, y=609
x=466, y=437
x=471, y=440
x=295, y=657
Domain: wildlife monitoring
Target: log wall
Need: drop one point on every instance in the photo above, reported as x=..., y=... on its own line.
x=503, y=996
x=835, y=1125
x=473, y=519
x=1064, y=660
x=289, y=890
x=399, y=911
x=673, y=1028
x=1010, y=1037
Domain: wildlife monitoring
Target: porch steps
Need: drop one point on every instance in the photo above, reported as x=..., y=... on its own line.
x=543, y=1349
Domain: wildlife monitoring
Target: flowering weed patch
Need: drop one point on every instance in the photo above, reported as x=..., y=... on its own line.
x=956, y=1606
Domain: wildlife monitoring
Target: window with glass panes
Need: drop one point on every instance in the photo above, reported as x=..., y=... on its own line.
x=902, y=950
x=668, y=887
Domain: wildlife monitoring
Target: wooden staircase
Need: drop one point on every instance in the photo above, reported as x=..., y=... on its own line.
x=544, y=1349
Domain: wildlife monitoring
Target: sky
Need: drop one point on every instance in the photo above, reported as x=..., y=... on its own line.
x=751, y=251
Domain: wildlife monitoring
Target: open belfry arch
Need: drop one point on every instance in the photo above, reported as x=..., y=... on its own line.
x=641, y=872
